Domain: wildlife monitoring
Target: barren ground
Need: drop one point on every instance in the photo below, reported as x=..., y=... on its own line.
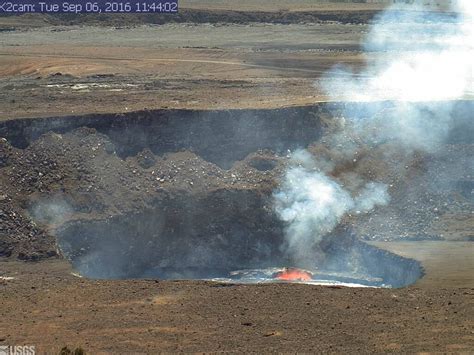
x=48, y=307
x=53, y=71
x=126, y=65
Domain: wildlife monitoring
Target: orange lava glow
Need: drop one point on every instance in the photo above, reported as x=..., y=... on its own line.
x=291, y=274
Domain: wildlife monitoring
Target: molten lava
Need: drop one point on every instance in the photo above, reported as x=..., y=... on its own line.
x=293, y=274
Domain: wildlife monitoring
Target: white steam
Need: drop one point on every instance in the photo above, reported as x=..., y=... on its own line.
x=426, y=59
x=313, y=204
x=51, y=211
x=422, y=58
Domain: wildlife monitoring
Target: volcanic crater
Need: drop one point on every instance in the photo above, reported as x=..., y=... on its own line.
x=175, y=194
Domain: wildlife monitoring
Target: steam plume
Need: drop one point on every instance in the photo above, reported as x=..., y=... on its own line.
x=426, y=58
x=312, y=204
x=422, y=59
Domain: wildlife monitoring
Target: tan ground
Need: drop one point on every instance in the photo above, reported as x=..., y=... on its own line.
x=277, y=5
x=44, y=305
x=298, y=5
x=175, y=66
x=447, y=264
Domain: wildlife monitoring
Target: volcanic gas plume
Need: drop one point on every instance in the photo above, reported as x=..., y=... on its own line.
x=426, y=60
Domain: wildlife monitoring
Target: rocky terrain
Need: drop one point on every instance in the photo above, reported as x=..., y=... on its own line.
x=83, y=174
x=45, y=305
